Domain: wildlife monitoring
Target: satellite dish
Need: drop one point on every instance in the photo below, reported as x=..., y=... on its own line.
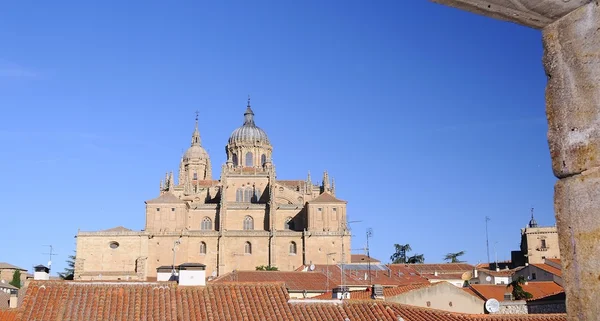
x=312, y=267
x=492, y=306
x=467, y=276
x=488, y=278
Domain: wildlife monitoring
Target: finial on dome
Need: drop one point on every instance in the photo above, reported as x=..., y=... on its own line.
x=196, y=135
x=249, y=115
x=532, y=222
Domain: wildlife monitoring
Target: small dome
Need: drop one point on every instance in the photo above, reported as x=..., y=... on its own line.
x=249, y=132
x=195, y=152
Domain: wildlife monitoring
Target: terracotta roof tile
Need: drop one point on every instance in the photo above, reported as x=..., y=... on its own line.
x=133, y=301
x=294, y=281
x=361, y=258
x=4, y=265
x=387, y=292
x=442, y=268
x=166, y=198
x=445, y=276
x=555, y=261
x=399, y=274
x=539, y=289
x=325, y=197
x=549, y=269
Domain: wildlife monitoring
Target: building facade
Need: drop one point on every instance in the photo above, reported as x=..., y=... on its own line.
x=537, y=244
x=246, y=218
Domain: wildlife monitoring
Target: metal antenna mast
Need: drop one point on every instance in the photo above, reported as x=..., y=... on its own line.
x=487, y=242
x=51, y=254
x=369, y=234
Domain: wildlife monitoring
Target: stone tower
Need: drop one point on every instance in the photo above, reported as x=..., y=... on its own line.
x=195, y=163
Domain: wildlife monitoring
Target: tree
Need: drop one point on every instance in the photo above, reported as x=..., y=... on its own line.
x=517, y=290
x=69, y=272
x=16, y=280
x=266, y=268
x=416, y=259
x=399, y=256
x=453, y=257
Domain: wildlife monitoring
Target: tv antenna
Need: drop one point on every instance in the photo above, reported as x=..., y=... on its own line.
x=175, y=244
x=369, y=235
x=50, y=254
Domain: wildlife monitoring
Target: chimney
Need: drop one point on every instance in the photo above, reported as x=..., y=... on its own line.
x=497, y=268
x=13, y=302
x=377, y=292
x=192, y=274
x=167, y=273
x=341, y=293
x=435, y=273
x=41, y=273
x=508, y=296
x=475, y=273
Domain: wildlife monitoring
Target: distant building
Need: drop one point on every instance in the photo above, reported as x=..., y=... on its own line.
x=550, y=270
x=7, y=271
x=247, y=218
x=537, y=244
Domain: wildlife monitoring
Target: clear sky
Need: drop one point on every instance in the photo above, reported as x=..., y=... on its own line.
x=428, y=118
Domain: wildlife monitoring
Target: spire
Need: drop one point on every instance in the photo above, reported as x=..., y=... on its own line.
x=325, y=181
x=249, y=115
x=308, y=185
x=196, y=135
x=532, y=222
x=333, y=186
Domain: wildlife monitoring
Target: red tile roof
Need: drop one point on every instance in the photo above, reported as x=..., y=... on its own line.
x=9, y=315
x=294, y=281
x=441, y=268
x=400, y=274
x=556, y=261
x=325, y=197
x=549, y=269
x=445, y=276
x=539, y=289
x=361, y=258
x=387, y=292
x=135, y=301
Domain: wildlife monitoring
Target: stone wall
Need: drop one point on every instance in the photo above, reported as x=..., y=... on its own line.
x=513, y=307
x=556, y=307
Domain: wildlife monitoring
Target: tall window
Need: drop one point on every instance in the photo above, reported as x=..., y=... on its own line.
x=202, y=248
x=248, y=194
x=195, y=176
x=206, y=224
x=249, y=159
x=543, y=244
x=263, y=159
x=239, y=195
x=248, y=223
x=289, y=224
x=248, y=248
x=293, y=248
x=234, y=159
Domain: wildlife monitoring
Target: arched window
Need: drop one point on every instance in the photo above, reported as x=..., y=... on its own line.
x=256, y=196
x=293, y=248
x=249, y=159
x=289, y=224
x=234, y=159
x=248, y=248
x=248, y=223
x=248, y=194
x=206, y=224
x=239, y=195
x=263, y=159
x=202, y=248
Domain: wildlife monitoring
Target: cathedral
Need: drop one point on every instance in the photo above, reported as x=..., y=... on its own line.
x=245, y=219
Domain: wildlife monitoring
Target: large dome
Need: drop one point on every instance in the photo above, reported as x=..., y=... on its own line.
x=249, y=132
x=195, y=152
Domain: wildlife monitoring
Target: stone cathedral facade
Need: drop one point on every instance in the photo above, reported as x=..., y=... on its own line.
x=246, y=218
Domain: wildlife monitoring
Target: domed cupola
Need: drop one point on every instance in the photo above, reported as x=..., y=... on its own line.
x=195, y=162
x=248, y=145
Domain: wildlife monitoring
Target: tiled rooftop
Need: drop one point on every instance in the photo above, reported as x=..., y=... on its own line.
x=442, y=268
x=325, y=197
x=4, y=265
x=361, y=258
x=538, y=289
x=133, y=301
x=387, y=292
x=400, y=274
x=549, y=269
x=294, y=281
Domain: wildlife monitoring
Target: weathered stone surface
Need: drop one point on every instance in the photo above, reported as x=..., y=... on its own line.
x=572, y=62
x=577, y=206
x=531, y=13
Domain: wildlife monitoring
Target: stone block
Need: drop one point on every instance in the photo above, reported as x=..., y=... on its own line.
x=572, y=63
x=577, y=206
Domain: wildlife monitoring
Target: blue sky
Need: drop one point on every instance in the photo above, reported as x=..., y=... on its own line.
x=429, y=118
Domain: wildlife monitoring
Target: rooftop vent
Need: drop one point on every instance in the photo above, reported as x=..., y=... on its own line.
x=377, y=292
x=41, y=272
x=192, y=274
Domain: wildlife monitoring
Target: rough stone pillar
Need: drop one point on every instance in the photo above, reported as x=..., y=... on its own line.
x=572, y=62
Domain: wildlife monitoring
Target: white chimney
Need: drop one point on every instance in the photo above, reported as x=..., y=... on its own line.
x=41, y=273
x=377, y=292
x=13, y=302
x=165, y=273
x=435, y=273
x=475, y=273
x=340, y=293
x=192, y=274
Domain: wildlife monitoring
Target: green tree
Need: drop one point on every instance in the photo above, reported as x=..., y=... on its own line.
x=416, y=259
x=399, y=256
x=69, y=272
x=16, y=280
x=517, y=290
x=266, y=268
x=453, y=257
